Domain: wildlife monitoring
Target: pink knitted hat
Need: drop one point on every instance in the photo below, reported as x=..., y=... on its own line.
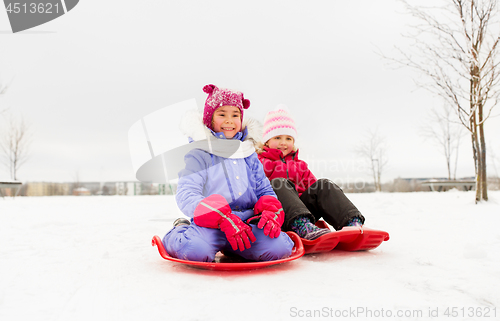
x=218, y=97
x=278, y=122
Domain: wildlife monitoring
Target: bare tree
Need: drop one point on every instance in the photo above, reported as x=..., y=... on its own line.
x=3, y=90
x=446, y=134
x=494, y=160
x=374, y=152
x=458, y=54
x=14, y=143
x=76, y=181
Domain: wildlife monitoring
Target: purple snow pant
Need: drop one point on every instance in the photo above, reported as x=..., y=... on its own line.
x=196, y=243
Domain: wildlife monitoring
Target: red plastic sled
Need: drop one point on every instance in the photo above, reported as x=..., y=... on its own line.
x=350, y=238
x=230, y=263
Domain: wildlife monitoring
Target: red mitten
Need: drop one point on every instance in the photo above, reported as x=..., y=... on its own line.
x=214, y=212
x=271, y=215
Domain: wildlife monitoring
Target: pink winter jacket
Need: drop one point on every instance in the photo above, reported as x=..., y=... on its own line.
x=289, y=167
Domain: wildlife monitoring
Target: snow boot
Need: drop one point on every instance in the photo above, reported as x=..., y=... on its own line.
x=307, y=230
x=181, y=221
x=355, y=221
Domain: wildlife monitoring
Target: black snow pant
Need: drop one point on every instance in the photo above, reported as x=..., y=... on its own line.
x=323, y=199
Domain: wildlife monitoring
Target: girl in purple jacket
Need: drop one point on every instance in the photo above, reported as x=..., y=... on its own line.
x=224, y=190
x=305, y=199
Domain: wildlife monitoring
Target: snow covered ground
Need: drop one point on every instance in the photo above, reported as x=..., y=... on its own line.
x=90, y=258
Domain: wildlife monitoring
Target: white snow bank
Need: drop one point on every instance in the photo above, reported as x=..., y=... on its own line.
x=90, y=258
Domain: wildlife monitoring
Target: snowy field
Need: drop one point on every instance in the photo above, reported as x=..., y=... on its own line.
x=90, y=258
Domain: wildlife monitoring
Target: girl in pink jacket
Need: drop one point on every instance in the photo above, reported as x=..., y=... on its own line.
x=305, y=199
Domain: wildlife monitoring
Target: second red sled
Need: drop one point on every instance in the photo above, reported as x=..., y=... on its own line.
x=350, y=238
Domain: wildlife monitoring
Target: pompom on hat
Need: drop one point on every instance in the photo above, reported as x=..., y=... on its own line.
x=218, y=97
x=279, y=122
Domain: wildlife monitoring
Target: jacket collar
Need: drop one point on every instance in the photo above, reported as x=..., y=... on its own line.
x=276, y=154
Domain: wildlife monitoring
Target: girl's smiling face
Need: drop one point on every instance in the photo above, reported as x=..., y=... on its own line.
x=282, y=142
x=227, y=119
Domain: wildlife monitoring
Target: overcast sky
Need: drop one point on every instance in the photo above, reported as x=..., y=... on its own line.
x=83, y=79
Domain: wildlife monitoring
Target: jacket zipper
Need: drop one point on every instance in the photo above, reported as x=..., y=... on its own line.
x=284, y=162
x=228, y=180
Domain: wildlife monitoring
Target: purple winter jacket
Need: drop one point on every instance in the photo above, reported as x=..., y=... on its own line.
x=241, y=181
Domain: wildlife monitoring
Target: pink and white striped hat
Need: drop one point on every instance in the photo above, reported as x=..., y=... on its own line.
x=278, y=122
